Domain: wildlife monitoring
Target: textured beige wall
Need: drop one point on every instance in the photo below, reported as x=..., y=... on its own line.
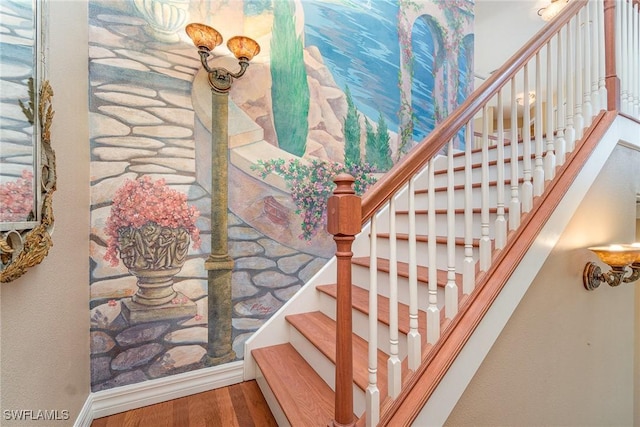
x=45, y=315
x=566, y=357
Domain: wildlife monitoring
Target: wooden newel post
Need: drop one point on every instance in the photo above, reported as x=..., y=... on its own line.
x=344, y=221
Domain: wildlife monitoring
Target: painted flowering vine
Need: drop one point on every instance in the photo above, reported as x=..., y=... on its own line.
x=311, y=185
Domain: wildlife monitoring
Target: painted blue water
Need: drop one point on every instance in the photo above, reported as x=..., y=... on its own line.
x=423, y=80
x=359, y=43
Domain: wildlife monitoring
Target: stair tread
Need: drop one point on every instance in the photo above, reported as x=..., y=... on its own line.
x=457, y=211
x=320, y=330
x=403, y=270
x=458, y=187
x=360, y=302
x=304, y=397
x=474, y=165
x=459, y=241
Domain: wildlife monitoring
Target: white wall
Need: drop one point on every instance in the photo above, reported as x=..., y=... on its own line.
x=44, y=314
x=566, y=357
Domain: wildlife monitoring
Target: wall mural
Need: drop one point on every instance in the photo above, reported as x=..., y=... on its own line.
x=338, y=85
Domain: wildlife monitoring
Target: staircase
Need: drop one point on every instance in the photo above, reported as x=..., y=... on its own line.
x=307, y=361
x=442, y=234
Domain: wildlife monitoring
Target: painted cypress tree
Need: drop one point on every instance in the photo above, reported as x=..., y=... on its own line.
x=289, y=87
x=351, y=132
x=378, y=153
x=370, y=144
x=382, y=145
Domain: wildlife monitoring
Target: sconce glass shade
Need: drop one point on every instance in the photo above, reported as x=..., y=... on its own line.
x=204, y=36
x=243, y=47
x=617, y=256
x=636, y=246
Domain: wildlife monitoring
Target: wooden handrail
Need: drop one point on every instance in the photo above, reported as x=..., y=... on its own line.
x=417, y=158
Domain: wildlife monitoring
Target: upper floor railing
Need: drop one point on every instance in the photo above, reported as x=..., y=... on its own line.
x=463, y=202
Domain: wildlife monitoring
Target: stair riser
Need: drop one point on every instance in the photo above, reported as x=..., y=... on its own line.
x=441, y=200
x=360, y=277
x=402, y=253
x=402, y=225
x=441, y=177
x=361, y=326
x=441, y=180
x=476, y=156
x=323, y=366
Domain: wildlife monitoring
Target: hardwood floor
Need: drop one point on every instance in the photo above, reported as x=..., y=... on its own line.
x=239, y=405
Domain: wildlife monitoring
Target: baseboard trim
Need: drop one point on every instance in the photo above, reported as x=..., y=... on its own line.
x=85, y=416
x=120, y=399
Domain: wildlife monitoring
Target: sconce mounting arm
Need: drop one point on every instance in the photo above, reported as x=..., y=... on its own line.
x=593, y=276
x=220, y=79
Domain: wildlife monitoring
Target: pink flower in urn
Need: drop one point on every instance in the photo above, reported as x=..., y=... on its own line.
x=142, y=202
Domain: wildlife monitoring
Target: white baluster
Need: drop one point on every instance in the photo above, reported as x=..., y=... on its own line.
x=538, y=172
x=451, y=288
x=514, y=204
x=569, y=132
x=619, y=51
x=373, y=393
x=630, y=77
x=527, y=185
x=393, y=366
x=631, y=70
x=595, y=56
x=469, y=268
x=433, y=312
x=578, y=119
x=635, y=66
x=587, y=111
x=549, y=155
x=501, y=223
x=560, y=144
x=602, y=87
x=413, y=338
x=485, y=241
x=624, y=71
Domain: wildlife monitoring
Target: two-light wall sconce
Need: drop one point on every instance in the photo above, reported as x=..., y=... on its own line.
x=624, y=261
x=206, y=38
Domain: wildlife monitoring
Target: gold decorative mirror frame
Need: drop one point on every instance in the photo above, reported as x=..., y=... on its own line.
x=26, y=214
x=21, y=249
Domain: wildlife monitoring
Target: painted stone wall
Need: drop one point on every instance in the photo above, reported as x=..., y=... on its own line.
x=341, y=96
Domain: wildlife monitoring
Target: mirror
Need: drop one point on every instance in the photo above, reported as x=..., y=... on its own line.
x=27, y=162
